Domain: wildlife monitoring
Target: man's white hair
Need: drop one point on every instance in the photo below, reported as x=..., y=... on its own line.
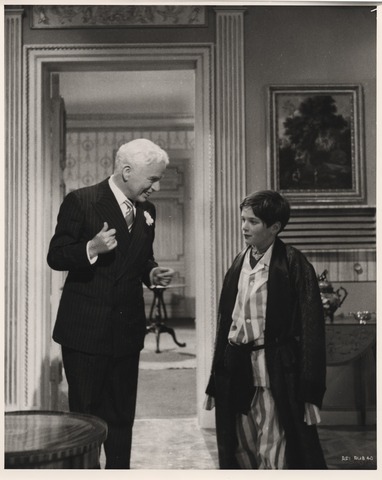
x=139, y=151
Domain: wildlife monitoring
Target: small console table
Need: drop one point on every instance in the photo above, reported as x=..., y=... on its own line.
x=348, y=342
x=52, y=440
x=158, y=315
x=352, y=342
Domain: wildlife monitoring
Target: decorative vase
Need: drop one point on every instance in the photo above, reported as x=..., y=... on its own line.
x=331, y=299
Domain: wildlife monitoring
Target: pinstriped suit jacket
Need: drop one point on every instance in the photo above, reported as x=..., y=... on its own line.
x=101, y=309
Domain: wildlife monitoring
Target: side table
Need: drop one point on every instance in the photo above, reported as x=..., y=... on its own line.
x=52, y=440
x=355, y=343
x=157, y=320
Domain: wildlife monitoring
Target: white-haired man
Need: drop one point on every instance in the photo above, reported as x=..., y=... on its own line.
x=104, y=239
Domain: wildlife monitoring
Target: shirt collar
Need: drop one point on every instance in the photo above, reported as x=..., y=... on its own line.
x=119, y=195
x=266, y=258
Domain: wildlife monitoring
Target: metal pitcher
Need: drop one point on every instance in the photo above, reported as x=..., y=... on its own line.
x=331, y=299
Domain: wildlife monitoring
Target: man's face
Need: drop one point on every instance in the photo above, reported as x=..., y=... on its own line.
x=143, y=180
x=255, y=231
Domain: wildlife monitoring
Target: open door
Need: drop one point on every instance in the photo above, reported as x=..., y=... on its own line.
x=58, y=149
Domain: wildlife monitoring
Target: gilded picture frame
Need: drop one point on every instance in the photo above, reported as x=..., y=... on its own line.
x=316, y=144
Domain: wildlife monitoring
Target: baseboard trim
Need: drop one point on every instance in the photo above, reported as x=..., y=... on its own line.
x=346, y=417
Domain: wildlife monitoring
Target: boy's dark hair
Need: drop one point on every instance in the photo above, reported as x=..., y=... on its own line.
x=269, y=206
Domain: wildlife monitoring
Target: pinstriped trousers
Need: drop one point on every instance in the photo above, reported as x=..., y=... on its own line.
x=261, y=438
x=105, y=386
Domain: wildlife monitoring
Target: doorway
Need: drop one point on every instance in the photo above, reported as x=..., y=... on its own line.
x=105, y=109
x=40, y=63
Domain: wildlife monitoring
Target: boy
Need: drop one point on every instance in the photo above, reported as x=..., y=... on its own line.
x=268, y=372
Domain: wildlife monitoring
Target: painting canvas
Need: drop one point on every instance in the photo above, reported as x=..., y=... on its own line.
x=316, y=144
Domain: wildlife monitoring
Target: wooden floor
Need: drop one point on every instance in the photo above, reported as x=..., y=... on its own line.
x=179, y=444
x=349, y=448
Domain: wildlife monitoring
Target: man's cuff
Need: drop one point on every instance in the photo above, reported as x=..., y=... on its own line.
x=151, y=277
x=91, y=260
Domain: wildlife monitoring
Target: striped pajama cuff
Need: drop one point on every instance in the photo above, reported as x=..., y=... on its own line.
x=312, y=414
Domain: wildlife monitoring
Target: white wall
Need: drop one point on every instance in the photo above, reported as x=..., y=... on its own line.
x=167, y=92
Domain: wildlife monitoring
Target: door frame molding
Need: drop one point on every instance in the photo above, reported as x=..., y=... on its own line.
x=35, y=210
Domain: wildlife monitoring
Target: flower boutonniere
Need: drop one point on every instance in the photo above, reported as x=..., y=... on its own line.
x=149, y=218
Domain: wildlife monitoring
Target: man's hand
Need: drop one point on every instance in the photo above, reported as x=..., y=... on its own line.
x=162, y=275
x=103, y=242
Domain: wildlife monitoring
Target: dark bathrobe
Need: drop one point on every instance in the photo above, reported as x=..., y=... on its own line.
x=296, y=363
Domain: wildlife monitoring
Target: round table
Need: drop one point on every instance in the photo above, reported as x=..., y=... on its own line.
x=44, y=439
x=157, y=321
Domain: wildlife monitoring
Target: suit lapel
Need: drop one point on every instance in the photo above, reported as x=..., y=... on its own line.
x=110, y=212
x=129, y=244
x=138, y=231
x=137, y=240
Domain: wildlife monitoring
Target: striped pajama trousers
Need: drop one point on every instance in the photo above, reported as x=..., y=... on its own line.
x=261, y=438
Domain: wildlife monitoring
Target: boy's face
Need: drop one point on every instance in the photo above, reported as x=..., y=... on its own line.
x=255, y=231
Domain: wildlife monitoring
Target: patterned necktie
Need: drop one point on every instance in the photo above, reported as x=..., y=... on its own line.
x=129, y=217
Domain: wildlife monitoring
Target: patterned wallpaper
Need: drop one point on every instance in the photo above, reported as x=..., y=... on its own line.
x=90, y=154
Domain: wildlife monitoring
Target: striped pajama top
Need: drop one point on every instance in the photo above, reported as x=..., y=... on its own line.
x=249, y=313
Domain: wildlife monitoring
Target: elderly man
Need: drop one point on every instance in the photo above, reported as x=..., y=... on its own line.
x=104, y=239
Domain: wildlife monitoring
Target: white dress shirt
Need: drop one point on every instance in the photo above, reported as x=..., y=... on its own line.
x=120, y=197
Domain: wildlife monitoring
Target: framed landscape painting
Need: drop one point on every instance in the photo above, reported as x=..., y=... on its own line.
x=316, y=144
